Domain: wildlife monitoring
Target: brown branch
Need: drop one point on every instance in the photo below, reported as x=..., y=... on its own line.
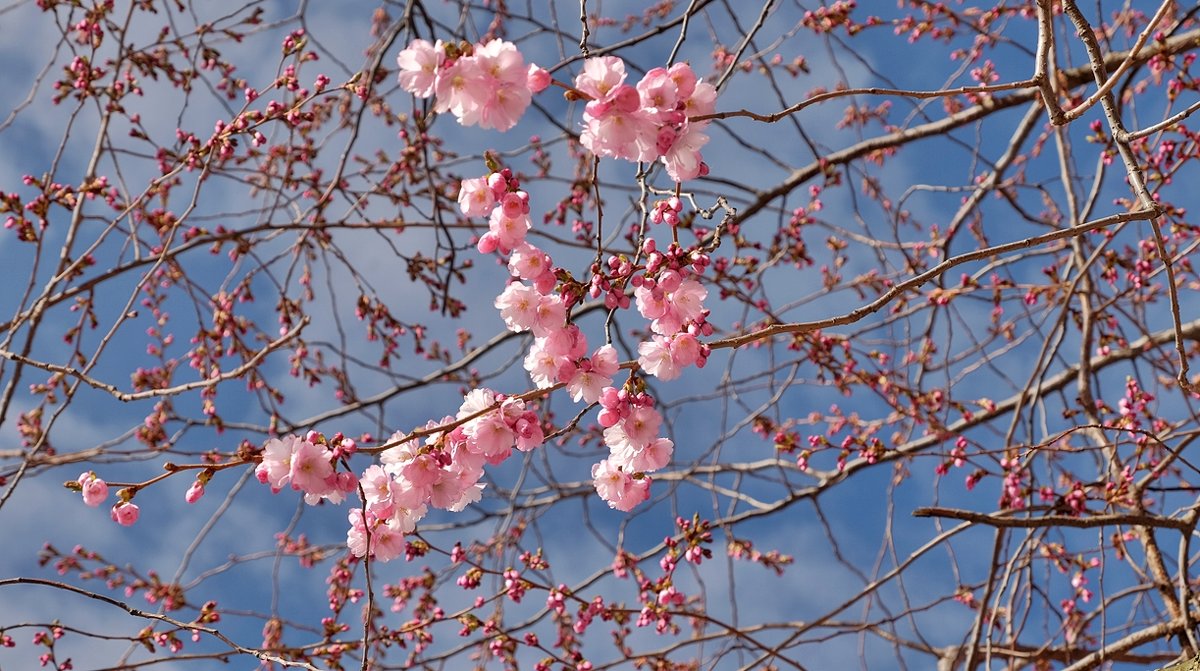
x=127, y=397
x=1106, y=87
x=1003, y=521
x=875, y=91
x=1069, y=78
x=916, y=281
x=137, y=612
x=1147, y=635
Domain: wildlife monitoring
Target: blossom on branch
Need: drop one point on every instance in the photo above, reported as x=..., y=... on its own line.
x=485, y=84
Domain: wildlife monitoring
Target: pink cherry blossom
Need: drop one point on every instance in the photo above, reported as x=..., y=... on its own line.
x=476, y=401
x=568, y=341
x=475, y=197
x=544, y=366
x=551, y=315
x=470, y=495
x=702, y=101
x=659, y=93
x=672, y=303
x=688, y=299
x=419, y=63
x=378, y=490
x=593, y=375
x=528, y=431
x=94, y=490
x=311, y=470
x=685, y=349
x=683, y=160
x=356, y=535
x=518, y=305
x=636, y=492
x=404, y=520
x=385, y=540
x=508, y=84
x=654, y=357
x=343, y=484
x=422, y=472
x=447, y=491
x=125, y=513
x=610, y=481
x=654, y=456
x=490, y=436
x=275, y=469
x=509, y=231
x=617, y=488
x=685, y=80
x=528, y=262
x=629, y=136
x=600, y=76
x=515, y=204
x=642, y=425
x=460, y=87
x=651, y=302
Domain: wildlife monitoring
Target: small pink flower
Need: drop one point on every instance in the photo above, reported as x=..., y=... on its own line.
x=125, y=513
x=475, y=197
x=418, y=67
x=654, y=357
x=95, y=490
x=620, y=490
x=551, y=316
x=685, y=349
x=275, y=469
x=529, y=262
x=311, y=468
x=641, y=426
x=544, y=365
x=610, y=481
x=654, y=456
x=600, y=76
x=387, y=540
x=518, y=305
x=593, y=375
x=509, y=231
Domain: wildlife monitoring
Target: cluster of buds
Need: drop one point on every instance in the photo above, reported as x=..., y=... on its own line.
x=612, y=284
x=667, y=211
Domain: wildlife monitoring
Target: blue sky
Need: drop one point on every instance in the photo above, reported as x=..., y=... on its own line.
x=708, y=412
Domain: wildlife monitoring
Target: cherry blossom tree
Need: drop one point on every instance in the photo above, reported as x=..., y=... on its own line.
x=599, y=335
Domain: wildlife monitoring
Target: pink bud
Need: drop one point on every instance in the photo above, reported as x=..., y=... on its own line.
x=95, y=490
x=498, y=184
x=538, y=79
x=125, y=513
x=608, y=418
x=194, y=492
x=487, y=243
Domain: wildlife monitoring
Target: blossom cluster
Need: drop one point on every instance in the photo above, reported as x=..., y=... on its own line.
x=485, y=84
x=635, y=449
x=95, y=490
x=444, y=472
x=667, y=294
x=490, y=85
x=649, y=121
x=308, y=465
